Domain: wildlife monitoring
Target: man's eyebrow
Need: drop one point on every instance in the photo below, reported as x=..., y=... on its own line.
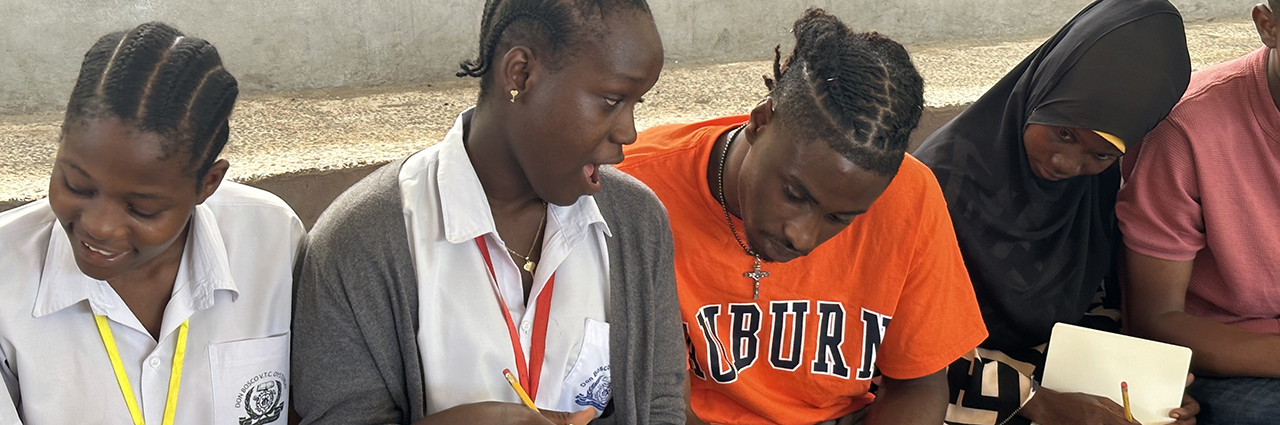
x=804, y=191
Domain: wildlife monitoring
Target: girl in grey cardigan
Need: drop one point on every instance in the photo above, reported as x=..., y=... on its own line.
x=395, y=316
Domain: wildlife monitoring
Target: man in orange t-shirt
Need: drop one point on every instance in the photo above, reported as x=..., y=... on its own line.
x=846, y=266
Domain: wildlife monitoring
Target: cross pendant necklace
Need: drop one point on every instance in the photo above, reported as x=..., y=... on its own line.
x=756, y=273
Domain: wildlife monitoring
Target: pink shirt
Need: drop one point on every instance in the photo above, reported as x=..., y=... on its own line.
x=1206, y=187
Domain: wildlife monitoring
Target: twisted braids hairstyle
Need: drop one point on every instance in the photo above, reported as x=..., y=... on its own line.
x=155, y=79
x=552, y=28
x=858, y=92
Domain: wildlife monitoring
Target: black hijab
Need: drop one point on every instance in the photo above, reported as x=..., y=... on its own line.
x=1038, y=251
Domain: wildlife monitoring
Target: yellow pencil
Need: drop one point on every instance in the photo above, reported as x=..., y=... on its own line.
x=515, y=385
x=1124, y=393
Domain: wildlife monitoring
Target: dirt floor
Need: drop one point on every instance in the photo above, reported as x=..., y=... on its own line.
x=333, y=129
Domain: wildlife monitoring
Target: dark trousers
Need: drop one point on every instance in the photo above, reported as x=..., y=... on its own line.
x=1237, y=401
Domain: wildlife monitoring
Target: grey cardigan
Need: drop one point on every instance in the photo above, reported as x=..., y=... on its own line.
x=355, y=357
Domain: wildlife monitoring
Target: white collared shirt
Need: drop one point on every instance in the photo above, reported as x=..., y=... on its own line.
x=233, y=285
x=463, y=336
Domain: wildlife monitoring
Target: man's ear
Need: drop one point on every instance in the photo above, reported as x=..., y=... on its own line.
x=1265, y=21
x=761, y=118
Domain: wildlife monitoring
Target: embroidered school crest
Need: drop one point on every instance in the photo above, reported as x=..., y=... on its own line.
x=262, y=398
x=597, y=390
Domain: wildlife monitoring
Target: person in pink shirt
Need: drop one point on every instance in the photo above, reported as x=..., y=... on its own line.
x=1200, y=215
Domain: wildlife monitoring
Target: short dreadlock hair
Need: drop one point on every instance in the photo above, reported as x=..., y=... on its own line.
x=858, y=92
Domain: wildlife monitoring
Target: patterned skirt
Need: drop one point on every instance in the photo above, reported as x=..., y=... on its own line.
x=989, y=387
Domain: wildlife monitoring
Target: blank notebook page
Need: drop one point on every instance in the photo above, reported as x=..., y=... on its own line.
x=1095, y=362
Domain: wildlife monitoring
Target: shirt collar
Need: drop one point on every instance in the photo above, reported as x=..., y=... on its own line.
x=210, y=269
x=204, y=269
x=577, y=218
x=463, y=205
x=465, y=209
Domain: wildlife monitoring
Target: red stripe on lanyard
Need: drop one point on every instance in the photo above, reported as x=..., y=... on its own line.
x=531, y=373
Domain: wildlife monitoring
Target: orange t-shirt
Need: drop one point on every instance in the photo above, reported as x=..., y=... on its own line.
x=806, y=351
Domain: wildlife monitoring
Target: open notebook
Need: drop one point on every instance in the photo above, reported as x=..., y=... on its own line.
x=1095, y=362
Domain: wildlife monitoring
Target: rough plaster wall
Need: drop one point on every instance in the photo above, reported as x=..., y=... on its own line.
x=747, y=30
x=268, y=45
x=287, y=45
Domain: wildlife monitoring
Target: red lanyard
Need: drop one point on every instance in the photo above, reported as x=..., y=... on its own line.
x=529, y=374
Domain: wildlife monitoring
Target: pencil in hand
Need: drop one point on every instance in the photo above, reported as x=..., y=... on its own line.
x=524, y=397
x=1124, y=393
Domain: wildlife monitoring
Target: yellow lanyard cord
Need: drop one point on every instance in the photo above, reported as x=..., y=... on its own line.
x=175, y=375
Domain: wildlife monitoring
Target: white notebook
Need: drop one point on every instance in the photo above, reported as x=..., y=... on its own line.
x=1095, y=362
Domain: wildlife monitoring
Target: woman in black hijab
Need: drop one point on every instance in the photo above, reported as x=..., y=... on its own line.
x=1030, y=178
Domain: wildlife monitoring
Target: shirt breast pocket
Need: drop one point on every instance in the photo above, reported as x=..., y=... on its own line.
x=587, y=384
x=250, y=381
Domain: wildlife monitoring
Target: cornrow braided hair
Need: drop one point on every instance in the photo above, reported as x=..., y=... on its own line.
x=546, y=26
x=155, y=79
x=858, y=92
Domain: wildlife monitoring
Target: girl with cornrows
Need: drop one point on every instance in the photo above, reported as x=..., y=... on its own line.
x=509, y=245
x=145, y=289
x=801, y=230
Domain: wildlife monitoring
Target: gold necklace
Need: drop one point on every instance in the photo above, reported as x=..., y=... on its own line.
x=529, y=264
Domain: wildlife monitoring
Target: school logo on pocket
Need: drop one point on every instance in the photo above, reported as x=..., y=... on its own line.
x=597, y=390
x=262, y=398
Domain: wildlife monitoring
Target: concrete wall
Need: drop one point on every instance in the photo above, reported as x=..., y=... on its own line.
x=288, y=45
x=309, y=193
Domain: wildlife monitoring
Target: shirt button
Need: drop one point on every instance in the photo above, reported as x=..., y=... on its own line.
x=526, y=326
x=155, y=362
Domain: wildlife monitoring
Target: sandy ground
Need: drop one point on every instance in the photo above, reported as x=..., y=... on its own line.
x=288, y=133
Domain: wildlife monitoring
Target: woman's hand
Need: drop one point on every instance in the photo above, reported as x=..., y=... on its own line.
x=1186, y=415
x=581, y=417
x=499, y=413
x=1050, y=407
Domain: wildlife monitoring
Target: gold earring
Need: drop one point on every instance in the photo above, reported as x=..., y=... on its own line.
x=513, y=95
